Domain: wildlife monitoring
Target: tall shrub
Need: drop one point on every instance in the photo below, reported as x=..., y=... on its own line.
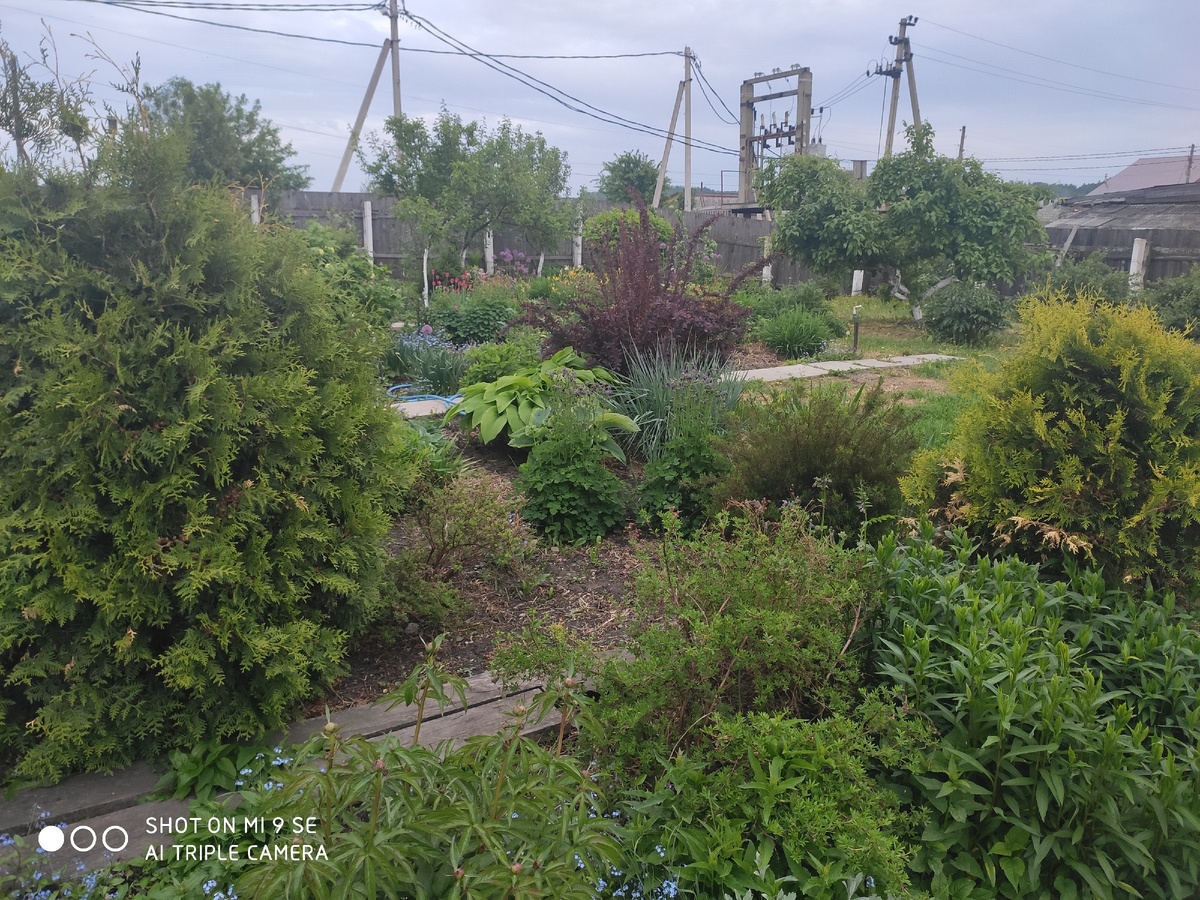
x=1085, y=442
x=196, y=466
x=646, y=297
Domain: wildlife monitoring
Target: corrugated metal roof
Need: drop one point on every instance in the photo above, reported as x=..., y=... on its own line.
x=1131, y=216
x=1149, y=172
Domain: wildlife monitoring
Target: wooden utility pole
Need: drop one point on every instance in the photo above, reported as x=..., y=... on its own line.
x=903, y=61
x=362, y=117
x=394, y=15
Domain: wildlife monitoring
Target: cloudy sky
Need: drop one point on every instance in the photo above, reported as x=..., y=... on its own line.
x=1054, y=90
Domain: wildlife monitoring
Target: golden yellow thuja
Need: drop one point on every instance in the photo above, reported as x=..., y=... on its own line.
x=1085, y=444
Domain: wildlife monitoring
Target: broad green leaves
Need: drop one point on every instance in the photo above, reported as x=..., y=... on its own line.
x=916, y=210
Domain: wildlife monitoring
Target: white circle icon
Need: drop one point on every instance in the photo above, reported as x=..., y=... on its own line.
x=51, y=838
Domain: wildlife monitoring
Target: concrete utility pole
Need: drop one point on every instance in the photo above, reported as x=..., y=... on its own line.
x=962, y=141
x=662, y=166
x=796, y=135
x=362, y=117
x=394, y=15
x=903, y=60
x=1187, y=176
x=687, y=129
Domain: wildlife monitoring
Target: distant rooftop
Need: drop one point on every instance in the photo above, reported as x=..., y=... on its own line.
x=1151, y=171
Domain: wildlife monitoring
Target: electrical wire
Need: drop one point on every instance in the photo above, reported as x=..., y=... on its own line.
x=1038, y=81
x=545, y=89
x=707, y=99
x=1151, y=152
x=733, y=118
x=156, y=12
x=1061, y=62
x=841, y=95
x=252, y=7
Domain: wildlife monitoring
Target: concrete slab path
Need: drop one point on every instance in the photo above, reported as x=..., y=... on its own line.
x=420, y=408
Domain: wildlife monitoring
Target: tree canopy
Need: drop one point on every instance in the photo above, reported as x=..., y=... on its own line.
x=229, y=141
x=458, y=179
x=629, y=169
x=921, y=213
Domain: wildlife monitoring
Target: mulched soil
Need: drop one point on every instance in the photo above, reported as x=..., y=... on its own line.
x=585, y=588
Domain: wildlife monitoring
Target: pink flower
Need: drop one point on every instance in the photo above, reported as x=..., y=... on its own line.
x=426, y=329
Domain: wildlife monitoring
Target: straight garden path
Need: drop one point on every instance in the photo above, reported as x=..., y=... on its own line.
x=418, y=408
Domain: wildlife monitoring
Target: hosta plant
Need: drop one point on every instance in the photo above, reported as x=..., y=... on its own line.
x=507, y=406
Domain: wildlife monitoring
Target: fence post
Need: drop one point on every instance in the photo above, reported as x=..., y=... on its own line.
x=1137, y=264
x=368, y=231
x=766, y=272
x=489, y=255
x=255, y=207
x=856, y=286
x=577, y=245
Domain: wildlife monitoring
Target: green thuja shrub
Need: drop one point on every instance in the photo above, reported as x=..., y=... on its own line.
x=197, y=470
x=1086, y=443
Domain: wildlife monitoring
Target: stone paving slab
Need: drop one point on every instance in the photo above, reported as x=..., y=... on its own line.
x=839, y=365
x=782, y=373
x=415, y=409
x=77, y=797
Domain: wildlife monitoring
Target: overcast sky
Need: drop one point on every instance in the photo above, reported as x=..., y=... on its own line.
x=1054, y=90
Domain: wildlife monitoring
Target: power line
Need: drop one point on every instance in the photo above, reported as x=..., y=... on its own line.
x=118, y=4
x=733, y=119
x=1154, y=151
x=1039, y=81
x=545, y=88
x=1061, y=62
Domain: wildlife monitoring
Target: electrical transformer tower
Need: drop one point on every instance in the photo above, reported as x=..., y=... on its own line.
x=752, y=145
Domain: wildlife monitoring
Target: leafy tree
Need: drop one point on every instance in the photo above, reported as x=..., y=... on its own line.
x=228, y=140
x=918, y=212
x=631, y=169
x=457, y=180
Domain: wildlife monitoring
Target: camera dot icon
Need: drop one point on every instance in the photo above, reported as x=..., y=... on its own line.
x=51, y=838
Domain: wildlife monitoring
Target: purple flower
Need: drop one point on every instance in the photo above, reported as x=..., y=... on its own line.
x=426, y=329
